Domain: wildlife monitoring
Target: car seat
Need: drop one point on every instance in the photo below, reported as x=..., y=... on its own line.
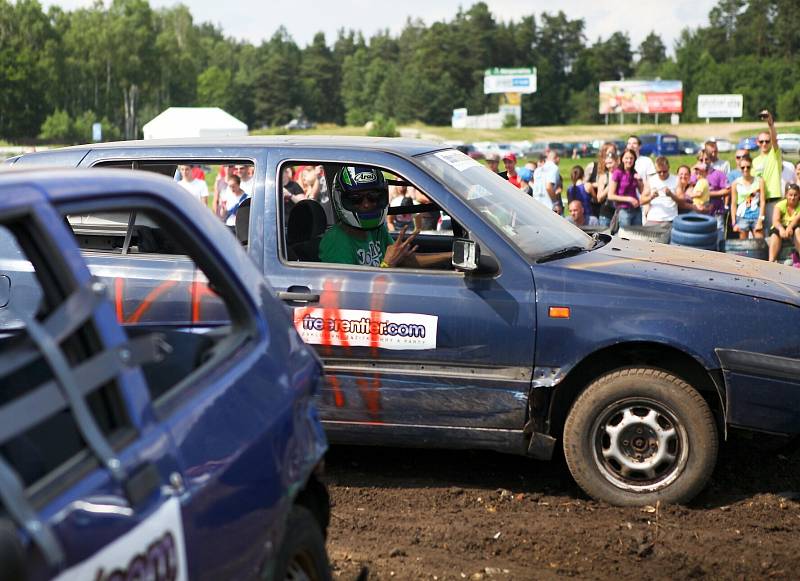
x=304, y=231
x=242, y=227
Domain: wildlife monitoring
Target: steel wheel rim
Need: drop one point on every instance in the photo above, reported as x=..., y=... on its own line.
x=639, y=445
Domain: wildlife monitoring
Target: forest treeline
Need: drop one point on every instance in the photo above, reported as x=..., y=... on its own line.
x=124, y=62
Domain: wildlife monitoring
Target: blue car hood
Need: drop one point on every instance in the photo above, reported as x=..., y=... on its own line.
x=697, y=268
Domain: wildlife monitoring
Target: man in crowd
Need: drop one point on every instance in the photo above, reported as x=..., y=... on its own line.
x=577, y=215
x=245, y=173
x=360, y=198
x=510, y=161
x=552, y=181
x=644, y=165
x=538, y=189
x=197, y=188
x=768, y=165
x=712, y=155
x=232, y=197
x=493, y=162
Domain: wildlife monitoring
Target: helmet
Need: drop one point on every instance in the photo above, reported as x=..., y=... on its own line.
x=349, y=184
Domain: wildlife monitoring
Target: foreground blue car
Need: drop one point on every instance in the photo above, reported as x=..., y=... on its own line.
x=636, y=359
x=144, y=451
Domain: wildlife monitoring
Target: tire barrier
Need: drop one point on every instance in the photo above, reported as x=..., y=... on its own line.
x=695, y=240
x=750, y=247
x=651, y=233
x=695, y=223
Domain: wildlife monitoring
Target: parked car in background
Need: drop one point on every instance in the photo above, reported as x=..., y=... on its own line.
x=470, y=150
x=543, y=147
x=789, y=142
x=170, y=435
x=657, y=144
x=688, y=147
x=723, y=145
x=295, y=124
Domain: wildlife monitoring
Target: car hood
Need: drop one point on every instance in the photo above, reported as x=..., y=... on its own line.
x=691, y=267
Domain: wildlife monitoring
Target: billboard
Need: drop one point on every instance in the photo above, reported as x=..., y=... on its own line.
x=641, y=97
x=497, y=80
x=719, y=106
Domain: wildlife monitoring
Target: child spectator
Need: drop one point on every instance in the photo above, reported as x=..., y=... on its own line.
x=750, y=201
x=577, y=191
x=700, y=193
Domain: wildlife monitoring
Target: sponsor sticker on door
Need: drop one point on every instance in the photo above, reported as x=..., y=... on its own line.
x=354, y=328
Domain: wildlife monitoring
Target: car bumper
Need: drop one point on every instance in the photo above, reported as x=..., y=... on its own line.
x=763, y=391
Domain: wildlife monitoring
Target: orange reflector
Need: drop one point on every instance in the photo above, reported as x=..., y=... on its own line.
x=559, y=312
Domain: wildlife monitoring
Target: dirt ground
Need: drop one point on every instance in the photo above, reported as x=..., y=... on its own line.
x=420, y=514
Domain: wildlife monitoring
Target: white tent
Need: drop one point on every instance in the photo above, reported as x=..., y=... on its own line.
x=194, y=122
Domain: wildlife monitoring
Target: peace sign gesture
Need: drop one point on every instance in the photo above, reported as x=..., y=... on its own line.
x=401, y=249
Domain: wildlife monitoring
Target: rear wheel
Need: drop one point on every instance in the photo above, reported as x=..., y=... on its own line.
x=302, y=555
x=638, y=436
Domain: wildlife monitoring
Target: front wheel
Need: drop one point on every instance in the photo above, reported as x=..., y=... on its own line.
x=302, y=555
x=638, y=436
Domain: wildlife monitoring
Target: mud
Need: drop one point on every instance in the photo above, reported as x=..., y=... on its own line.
x=421, y=514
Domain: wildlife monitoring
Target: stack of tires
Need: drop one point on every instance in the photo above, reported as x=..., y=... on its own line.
x=750, y=247
x=694, y=230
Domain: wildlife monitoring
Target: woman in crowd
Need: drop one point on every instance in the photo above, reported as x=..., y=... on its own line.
x=786, y=224
x=749, y=200
x=625, y=190
x=597, y=183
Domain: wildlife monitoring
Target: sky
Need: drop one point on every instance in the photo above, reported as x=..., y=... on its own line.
x=257, y=20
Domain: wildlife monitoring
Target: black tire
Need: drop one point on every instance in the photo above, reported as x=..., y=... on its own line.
x=302, y=553
x=695, y=223
x=618, y=445
x=750, y=247
x=693, y=239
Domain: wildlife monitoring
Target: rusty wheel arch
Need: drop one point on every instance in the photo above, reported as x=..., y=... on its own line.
x=634, y=354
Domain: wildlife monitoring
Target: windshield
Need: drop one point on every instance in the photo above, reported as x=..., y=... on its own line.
x=537, y=231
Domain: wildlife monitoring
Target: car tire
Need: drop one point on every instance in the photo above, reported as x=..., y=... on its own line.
x=651, y=233
x=638, y=436
x=302, y=553
x=750, y=247
x=696, y=240
x=696, y=223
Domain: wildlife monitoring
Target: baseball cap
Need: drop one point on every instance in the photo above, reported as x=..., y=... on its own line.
x=510, y=156
x=492, y=157
x=700, y=166
x=748, y=143
x=525, y=174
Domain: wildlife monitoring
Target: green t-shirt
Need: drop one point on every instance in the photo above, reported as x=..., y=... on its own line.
x=769, y=167
x=340, y=247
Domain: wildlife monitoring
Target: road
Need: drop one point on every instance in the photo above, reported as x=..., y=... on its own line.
x=413, y=514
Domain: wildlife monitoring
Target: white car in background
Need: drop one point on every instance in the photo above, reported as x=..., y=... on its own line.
x=789, y=142
x=723, y=145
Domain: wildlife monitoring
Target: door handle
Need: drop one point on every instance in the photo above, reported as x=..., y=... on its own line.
x=300, y=294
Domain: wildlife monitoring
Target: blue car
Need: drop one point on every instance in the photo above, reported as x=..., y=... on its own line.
x=131, y=450
x=637, y=359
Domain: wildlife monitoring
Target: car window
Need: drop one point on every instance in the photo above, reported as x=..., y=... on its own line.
x=41, y=439
x=534, y=229
x=308, y=209
x=153, y=277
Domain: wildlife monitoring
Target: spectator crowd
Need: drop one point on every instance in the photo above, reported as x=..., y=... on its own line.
x=756, y=198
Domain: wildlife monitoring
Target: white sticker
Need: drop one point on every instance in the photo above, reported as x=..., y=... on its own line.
x=457, y=159
x=153, y=549
x=352, y=328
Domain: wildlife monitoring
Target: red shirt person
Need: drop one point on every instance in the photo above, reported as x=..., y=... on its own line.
x=510, y=161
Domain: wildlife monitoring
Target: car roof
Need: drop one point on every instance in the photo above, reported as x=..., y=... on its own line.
x=59, y=184
x=399, y=146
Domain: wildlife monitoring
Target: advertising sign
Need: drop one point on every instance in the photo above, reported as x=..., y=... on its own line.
x=499, y=80
x=641, y=97
x=719, y=106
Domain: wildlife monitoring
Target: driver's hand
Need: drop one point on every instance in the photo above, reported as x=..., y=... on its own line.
x=401, y=249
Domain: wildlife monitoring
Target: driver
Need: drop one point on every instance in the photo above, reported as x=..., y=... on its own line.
x=360, y=197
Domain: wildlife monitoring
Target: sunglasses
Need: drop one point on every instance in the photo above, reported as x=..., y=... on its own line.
x=659, y=172
x=746, y=166
x=357, y=198
x=739, y=156
x=763, y=141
